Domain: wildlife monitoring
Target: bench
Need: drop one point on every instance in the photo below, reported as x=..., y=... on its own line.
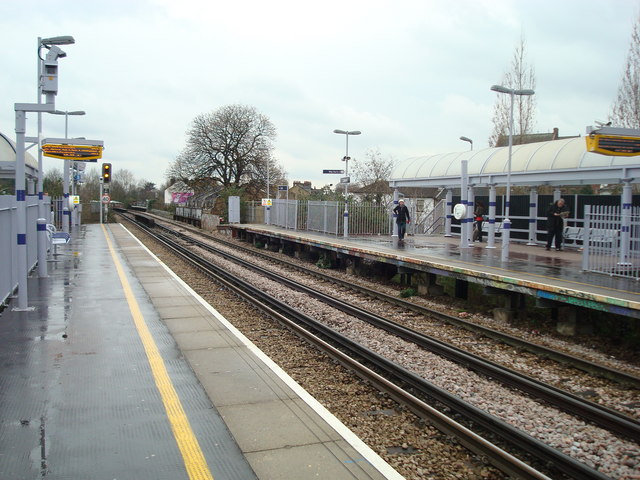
x=57, y=238
x=600, y=235
x=573, y=234
x=497, y=230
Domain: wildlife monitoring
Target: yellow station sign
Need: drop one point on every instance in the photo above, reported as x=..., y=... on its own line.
x=78, y=153
x=615, y=145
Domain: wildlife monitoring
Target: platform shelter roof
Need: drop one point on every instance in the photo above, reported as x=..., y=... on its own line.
x=557, y=162
x=8, y=160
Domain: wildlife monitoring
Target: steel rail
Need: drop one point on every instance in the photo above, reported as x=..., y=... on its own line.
x=541, y=350
x=604, y=417
x=508, y=433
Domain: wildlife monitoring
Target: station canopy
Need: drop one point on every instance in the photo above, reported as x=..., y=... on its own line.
x=8, y=160
x=556, y=162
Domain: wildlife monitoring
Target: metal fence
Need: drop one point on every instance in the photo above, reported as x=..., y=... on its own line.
x=611, y=241
x=8, y=244
x=325, y=216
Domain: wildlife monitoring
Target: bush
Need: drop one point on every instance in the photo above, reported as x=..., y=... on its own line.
x=408, y=292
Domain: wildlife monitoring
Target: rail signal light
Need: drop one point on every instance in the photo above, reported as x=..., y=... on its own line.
x=106, y=172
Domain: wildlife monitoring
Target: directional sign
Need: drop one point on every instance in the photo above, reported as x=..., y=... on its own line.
x=77, y=153
x=338, y=172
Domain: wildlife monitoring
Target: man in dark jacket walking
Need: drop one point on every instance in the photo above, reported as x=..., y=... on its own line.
x=402, y=218
x=555, y=223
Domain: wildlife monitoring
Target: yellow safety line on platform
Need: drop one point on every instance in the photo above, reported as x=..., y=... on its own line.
x=192, y=455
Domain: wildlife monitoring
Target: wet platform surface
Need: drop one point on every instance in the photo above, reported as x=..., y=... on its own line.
x=105, y=379
x=554, y=275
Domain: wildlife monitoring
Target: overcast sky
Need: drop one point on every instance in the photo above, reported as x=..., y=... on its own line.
x=412, y=75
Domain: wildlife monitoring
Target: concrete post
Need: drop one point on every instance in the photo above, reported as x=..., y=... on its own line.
x=21, y=207
x=470, y=217
x=447, y=212
x=533, y=216
x=491, y=235
x=394, y=217
x=625, y=222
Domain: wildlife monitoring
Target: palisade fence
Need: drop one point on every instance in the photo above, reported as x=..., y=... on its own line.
x=365, y=219
x=611, y=241
x=8, y=244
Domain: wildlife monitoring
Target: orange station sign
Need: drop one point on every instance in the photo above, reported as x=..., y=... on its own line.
x=78, y=153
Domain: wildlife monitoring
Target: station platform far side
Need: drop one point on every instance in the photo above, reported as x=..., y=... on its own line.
x=531, y=270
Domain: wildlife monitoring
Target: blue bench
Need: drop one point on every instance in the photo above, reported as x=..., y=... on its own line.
x=57, y=238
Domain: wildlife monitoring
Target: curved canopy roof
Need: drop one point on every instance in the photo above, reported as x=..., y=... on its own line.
x=558, y=162
x=8, y=160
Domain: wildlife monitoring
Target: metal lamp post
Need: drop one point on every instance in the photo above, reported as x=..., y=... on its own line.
x=65, y=175
x=465, y=229
x=506, y=222
x=465, y=139
x=346, y=159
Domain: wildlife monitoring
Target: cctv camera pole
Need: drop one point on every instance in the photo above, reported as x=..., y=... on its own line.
x=42, y=214
x=49, y=85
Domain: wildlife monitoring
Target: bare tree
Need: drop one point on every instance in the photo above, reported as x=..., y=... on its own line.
x=373, y=168
x=373, y=174
x=626, y=109
x=521, y=76
x=229, y=147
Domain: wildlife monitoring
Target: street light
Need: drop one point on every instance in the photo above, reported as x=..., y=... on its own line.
x=346, y=159
x=65, y=175
x=506, y=222
x=465, y=139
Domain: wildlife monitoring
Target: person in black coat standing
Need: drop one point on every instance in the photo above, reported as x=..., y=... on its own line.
x=402, y=218
x=555, y=223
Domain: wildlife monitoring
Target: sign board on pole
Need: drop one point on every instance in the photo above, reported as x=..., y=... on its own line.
x=75, y=199
x=267, y=202
x=345, y=180
x=106, y=199
x=78, y=150
x=283, y=188
x=338, y=172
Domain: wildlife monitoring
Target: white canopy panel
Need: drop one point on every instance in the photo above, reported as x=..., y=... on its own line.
x=8, y=160
x=558, y=162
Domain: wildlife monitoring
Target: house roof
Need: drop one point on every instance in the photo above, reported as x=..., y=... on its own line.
x=557, y=162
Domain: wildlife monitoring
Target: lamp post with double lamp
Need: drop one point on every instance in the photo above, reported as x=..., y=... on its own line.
x=66, y=208
x=506, y=222
x=346, y=159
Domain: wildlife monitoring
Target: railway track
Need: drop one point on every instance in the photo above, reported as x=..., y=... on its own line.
x=423, y=389
x=519, y=343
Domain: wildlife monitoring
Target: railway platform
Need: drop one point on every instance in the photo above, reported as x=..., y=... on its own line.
x=554, y=278
x=119, y=370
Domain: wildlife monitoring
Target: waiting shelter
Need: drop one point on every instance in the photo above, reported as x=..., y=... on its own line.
x=555, y=163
